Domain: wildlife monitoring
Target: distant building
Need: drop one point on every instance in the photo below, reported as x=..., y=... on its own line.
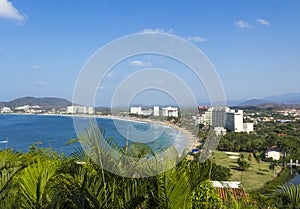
x=214, y=116
x=156, y=111
x=218, y=116
x=71, y=109
x=202, y=109
x=80, y=110
x=147, y=112
x=24, y=108
x=170, y=112
x=90, y=110
x=220, y=131
x=234, y=121
x=6, y=110
x=248, y=127
x=136, y=110
x=273, y=152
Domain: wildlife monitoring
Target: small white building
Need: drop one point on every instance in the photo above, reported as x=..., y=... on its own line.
x=273, y=153
x=136, y=110
x=6, y=110
x=248, y=127
x=170, y=112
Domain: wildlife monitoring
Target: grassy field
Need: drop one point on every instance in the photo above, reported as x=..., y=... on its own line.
x=255, y=177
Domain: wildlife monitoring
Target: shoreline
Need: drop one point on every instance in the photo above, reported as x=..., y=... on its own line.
x=192, y=141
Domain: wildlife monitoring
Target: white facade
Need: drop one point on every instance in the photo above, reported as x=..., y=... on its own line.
x=170, y=112
x=71, y=109
x=224, y=117
x=24, y=107
x=214, y=116
x=234, y=121
x=248, y=127
x=147, y=112
x=136, y=110
x=80, y=110
x=273, y=154
x=156, y=111
x=6, y=110
x=90, y=110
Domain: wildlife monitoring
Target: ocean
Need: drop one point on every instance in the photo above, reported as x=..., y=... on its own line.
x=22, y=130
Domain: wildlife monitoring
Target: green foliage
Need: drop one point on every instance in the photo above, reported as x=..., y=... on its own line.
x=266, y=134
x=34, y=183
x=243, y=164
x=42, y=179
x=290, y=195
x=206, y=197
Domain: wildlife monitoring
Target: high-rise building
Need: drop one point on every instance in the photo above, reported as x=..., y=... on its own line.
x=218, y=116
x=156, y=111
x=234, y=121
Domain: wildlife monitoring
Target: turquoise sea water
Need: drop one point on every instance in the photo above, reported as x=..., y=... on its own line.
x=54, y=131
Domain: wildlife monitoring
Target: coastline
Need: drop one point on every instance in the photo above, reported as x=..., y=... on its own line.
x=192, y=141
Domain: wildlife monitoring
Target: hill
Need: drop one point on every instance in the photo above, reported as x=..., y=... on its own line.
x=289, y=98
x=44, y=102
x=253, y=102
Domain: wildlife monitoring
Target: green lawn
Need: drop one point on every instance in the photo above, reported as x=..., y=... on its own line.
x=255, y=177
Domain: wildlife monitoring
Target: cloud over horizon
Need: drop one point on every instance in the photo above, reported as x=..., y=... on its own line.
x=140, y=63
x=8, y=11
x=242, y=24
x=156, y=30
x=196, y=39
x=263, y=22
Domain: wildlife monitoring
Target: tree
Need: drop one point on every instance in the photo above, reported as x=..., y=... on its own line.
x=290, y=194
x=250, y=157
x=243, y=165
x=206, y=197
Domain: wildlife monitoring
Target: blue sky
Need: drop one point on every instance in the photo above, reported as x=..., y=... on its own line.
x=254, y=45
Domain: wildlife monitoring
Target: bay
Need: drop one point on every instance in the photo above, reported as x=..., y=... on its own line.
x=22, y=130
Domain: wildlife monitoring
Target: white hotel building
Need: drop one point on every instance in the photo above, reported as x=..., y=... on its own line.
x=232, y=120
x=80, y=110
x=166, y=111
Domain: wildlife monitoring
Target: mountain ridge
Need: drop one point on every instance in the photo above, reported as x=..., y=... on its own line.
x=44, y=102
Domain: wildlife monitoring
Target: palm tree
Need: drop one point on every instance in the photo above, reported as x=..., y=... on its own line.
x=11, y=164
x=35, y=184
x=291, y=193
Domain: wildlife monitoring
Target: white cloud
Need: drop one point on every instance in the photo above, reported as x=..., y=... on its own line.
x=140, y=63
x=110, y=74
x=196, y=39
x=7, y=10
x=263, y=22
x=242, y=24
x=156, y=30
x=36, y=67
